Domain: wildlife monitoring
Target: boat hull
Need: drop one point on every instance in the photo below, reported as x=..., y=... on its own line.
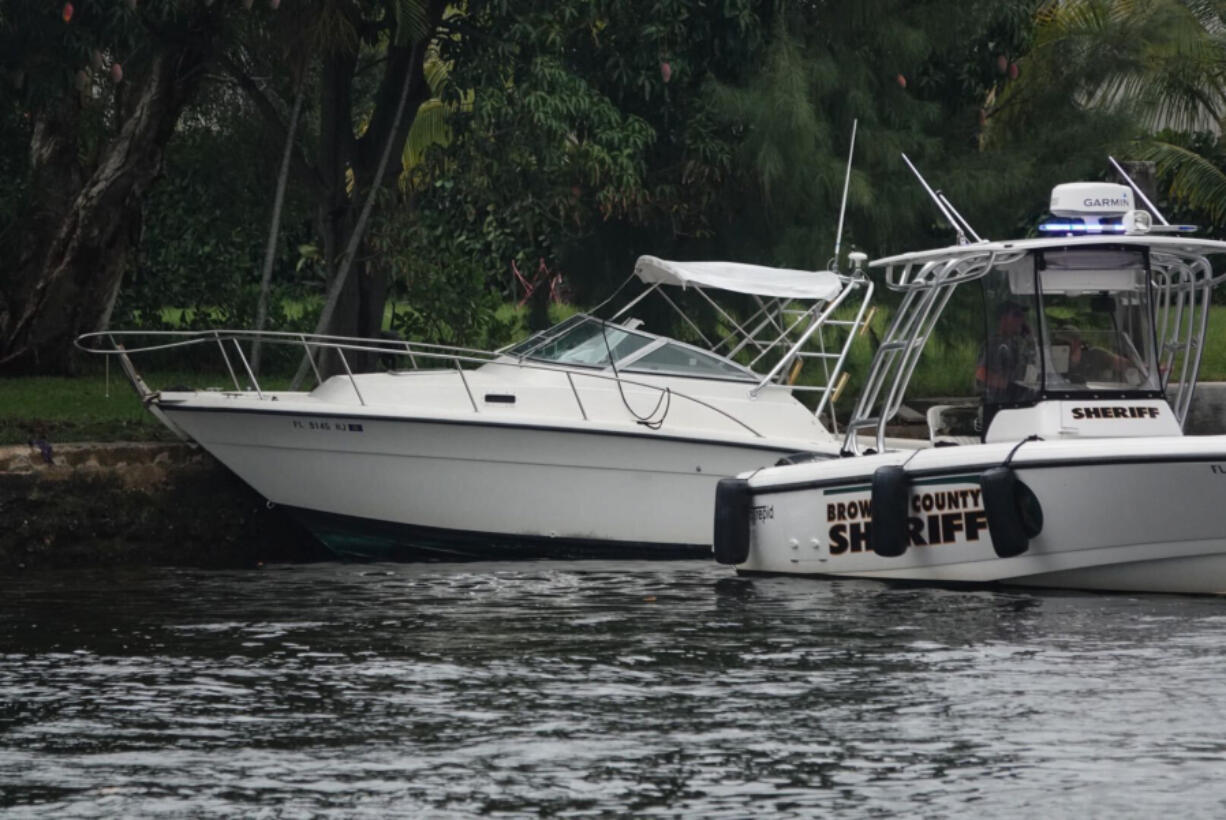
x=1143, y=521
x=410, y=488
x=366, y=539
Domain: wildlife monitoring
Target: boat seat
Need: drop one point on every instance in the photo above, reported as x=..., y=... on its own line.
x=953, y=424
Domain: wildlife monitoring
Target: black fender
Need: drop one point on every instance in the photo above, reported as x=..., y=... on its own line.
x=887, y=536
x=1012, y=509
x=732, y=507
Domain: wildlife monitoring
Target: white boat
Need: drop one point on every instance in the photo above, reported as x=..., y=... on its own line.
x=592, y=438
x=1072, y=469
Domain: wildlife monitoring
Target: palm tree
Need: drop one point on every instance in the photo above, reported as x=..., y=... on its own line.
x=1158, y=64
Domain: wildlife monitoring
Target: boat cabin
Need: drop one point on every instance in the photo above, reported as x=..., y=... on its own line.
x=1094, y=329
x=765, y=325
x=1071, y=324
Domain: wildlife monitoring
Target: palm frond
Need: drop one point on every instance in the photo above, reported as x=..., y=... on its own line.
x=1191, y=178
x=412, y=22
x=331, y=28
x=429, y=128
x=1163, y=61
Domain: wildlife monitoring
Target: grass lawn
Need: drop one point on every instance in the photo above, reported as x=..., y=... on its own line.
x=85, y=408
x=92, y=406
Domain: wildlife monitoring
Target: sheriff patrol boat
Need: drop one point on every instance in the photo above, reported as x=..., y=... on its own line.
x=1070, y=470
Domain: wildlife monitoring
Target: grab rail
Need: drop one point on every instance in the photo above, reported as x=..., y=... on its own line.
x=458, y=356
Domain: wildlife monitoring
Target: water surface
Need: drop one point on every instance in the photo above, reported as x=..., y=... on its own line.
x=599, y=689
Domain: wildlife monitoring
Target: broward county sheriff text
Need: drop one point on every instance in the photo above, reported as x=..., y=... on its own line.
x=937, y=517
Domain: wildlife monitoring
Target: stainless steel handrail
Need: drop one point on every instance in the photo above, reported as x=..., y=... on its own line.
x=366, y=346
x=467, y=389
x=571, y=381
x=242, y=358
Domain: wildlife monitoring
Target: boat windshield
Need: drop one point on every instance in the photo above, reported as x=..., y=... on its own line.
x=1098, y=322
x=1068, y=321
x=673, y=357
x=586, y=341
x=582, y=340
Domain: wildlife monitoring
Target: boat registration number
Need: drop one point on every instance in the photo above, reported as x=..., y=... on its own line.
x=326, y=426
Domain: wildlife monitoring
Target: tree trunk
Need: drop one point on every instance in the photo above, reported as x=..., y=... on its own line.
x=350, y=305
x=274, y=229
x=359, y=306
x=75, y=250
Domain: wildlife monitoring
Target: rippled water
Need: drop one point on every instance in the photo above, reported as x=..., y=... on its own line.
x=599, y=689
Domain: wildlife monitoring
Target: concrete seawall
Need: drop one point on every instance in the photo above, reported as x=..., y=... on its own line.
x=136, y=504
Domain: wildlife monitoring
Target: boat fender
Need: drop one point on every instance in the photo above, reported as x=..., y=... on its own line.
x=732, y=508
x=1013, y=511
x=891, y=491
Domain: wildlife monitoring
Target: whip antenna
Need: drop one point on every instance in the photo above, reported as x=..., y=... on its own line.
x=945, y=211
x=1137, y=188
x=838, y=236
x=954, y=211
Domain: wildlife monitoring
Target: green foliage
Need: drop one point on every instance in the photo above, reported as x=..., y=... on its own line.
x=204, y=231
x=913, y=76
x=440, y=286
x=1192, y=169
x=587, y=139
x=946, y=367
x=1161, y=60
x=582, y=133
x=85, y=408
x=43, y=48
x=1150, y=75
x=100, y=405
x=14, y=164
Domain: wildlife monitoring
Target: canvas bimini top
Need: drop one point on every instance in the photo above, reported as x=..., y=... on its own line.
x=756, y=280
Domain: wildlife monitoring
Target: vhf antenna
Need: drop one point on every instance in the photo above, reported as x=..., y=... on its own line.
x=838, y=236
x=960, y=225
x=954, y=211
x=1137, y=188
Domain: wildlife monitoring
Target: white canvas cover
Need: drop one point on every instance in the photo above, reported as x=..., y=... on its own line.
x=740, y=278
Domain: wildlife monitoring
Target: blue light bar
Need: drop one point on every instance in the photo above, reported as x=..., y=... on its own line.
x=1079, y=227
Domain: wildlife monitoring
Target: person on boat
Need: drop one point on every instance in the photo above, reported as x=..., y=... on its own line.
x=1008, y=353
x=1087, y=362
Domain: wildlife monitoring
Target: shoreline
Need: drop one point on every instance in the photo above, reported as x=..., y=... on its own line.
x=136, y=504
